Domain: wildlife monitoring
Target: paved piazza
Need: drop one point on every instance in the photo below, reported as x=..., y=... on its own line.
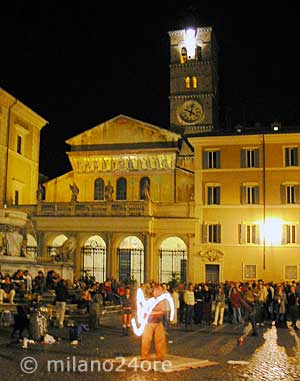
x=273, y=355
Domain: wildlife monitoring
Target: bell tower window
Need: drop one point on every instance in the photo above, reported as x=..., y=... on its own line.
x=195, y=82
x=183, y=57
x=188, y=82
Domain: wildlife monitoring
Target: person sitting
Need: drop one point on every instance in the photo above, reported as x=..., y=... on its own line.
x=39, y=283
x=19, y=281
x=85, y=299
x=7, y=291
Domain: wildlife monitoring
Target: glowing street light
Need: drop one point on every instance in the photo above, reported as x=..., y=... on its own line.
x=271, y=231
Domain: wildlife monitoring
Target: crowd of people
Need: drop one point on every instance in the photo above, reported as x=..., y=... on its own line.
x=205, y=304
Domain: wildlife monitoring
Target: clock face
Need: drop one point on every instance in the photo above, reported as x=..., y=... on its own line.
x=190, y=112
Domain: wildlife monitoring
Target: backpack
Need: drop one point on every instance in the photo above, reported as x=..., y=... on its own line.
x=7, y=319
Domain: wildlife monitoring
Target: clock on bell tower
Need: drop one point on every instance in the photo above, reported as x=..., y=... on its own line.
x=193, y=81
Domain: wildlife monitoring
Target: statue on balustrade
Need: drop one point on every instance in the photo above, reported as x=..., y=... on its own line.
x=75, y=190
x=39, y=193
x=146, y=190
x=108, y=191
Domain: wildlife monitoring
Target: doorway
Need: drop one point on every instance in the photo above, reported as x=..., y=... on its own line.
x=212, y=273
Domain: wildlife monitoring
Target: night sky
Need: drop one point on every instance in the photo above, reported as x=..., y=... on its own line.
x=80, y=63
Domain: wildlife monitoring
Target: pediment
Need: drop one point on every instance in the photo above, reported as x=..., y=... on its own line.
x=123, y=130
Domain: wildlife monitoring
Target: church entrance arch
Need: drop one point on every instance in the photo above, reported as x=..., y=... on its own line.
x=131, y=260
x=172, y=260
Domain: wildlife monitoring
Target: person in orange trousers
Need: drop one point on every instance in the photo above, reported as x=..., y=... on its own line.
x=155, y=329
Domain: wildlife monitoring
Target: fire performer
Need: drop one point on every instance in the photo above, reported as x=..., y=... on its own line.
x=154, y=328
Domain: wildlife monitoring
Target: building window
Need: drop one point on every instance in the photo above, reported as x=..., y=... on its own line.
x=195, y=82
x=183, y=56
x=121, y=189
x=99, y=189
x=19, y=144
x=211, y=159
x=291, y=156
x=291, y=272
x=289, y=194
x=211, y=233
x=249, y=234
x=250, y=158
x=213, y=195
x=250, y=272
x=16, y=197
x=290, y=234
x=249, y=194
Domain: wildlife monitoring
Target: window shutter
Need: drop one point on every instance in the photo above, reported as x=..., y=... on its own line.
x=297, y=191
x=297, y=234
x=209, y=195
x=256, y=195
x=287, y=161
x=219, y=233
x=205, y=160
x=218, y=159
x=283, y=194
x=256, y=158
x=218, y=194
x=204, y=233
x=257, y=234
x=242, y=234
x=283, y=234
x=243, y=158
x=243, y=194
x=296, y=156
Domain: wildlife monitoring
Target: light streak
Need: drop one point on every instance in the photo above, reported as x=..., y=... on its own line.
x=145, y=307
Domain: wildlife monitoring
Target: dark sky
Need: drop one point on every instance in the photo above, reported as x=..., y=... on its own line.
x=80, y=63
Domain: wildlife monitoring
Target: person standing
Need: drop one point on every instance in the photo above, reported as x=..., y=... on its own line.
x=126, y=302
x=189, y=300
x=60, y=301
x=235, y=299
x=175, y=297
x=280, y=307
x=220, y=307
x=155, y=329
x=292, y=303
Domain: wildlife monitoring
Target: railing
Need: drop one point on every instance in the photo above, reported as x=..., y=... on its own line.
x=110, y=208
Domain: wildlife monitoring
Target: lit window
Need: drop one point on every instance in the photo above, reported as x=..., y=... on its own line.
x=183, y=57
x=195, y=84
x=291, y=156
x=289, y=194
x=187, y=82
x=290, y=234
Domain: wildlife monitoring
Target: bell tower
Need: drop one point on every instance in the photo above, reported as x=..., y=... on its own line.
x=193, y=81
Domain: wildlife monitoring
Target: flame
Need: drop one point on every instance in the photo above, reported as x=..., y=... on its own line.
x=145, y=307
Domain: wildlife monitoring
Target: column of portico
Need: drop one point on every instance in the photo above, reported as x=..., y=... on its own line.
x=190, y=257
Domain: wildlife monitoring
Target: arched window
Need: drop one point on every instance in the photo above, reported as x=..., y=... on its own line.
x=145, y=188
x=99, y=189
x=195, y=82
x=121, y=189
x=183, y=57
x=187, y=82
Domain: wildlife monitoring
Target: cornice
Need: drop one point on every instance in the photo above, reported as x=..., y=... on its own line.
x=191, y=96
x=182, y=31
x=191, y=63
x=30, y=116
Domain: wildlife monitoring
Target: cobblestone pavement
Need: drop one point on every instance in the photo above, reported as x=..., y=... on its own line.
x=273, y=355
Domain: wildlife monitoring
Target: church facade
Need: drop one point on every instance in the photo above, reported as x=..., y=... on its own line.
x=196, y=202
